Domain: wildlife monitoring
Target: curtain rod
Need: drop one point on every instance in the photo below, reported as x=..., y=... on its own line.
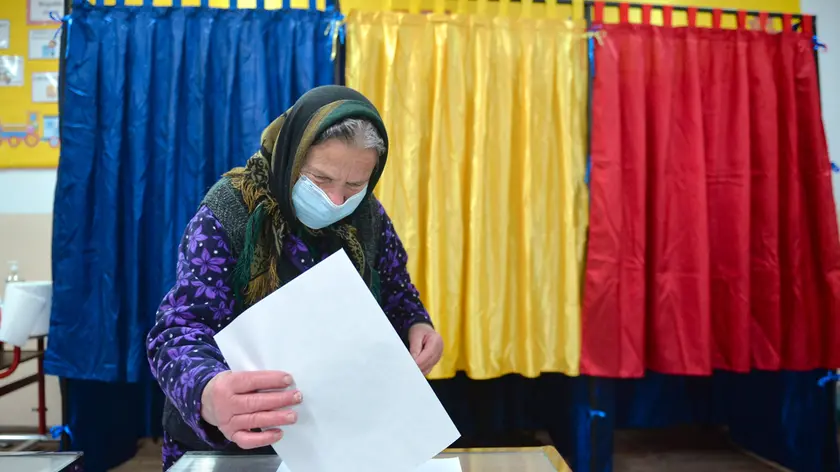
x=725, y=11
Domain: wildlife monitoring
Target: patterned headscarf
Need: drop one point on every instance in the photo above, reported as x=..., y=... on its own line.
x=266, y=183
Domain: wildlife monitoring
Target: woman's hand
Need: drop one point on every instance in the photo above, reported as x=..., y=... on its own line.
x=425, y=345
x=237, y=402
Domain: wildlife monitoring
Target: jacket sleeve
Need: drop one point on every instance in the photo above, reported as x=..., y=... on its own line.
x=400, y=299
x=182, y=353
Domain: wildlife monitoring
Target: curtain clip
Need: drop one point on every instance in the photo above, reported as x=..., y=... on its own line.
x=335, y=30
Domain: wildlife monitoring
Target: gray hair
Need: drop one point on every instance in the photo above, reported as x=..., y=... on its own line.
x=355, y=132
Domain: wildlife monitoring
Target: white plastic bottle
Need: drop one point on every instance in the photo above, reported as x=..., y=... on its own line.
x=14, y=275
x=14, y=272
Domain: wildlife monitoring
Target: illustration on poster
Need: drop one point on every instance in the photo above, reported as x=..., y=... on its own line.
x=27, y=133
x=51, y=131
x=43, y=44
x=45, y=87
x=11, y=71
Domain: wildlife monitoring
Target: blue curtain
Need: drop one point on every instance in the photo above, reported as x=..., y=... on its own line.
x=156, y=104
x=785, y=417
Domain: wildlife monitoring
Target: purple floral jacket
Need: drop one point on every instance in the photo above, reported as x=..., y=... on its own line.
x=180, y=347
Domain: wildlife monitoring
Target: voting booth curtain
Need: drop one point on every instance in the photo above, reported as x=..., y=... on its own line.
x=713, y=241
x=157, y=104
x=486, y=185
x=713, y=250
x=485, y=179
x=465, y=189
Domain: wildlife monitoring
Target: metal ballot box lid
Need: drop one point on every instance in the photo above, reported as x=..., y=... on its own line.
x=532, y=459
x=41, y=461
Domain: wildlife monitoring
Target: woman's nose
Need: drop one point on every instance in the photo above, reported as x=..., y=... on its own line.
x=336, y=197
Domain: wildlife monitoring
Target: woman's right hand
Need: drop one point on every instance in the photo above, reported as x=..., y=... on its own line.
x=237, y=402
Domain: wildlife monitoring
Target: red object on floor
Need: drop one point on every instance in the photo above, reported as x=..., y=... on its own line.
x=713, y=240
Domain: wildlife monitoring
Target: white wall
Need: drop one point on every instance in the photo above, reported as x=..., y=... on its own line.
x=27, y=192
x=26, y=201
x=828, y=17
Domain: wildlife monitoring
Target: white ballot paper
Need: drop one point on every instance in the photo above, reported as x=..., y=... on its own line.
x=450, y=464
x=366, y=406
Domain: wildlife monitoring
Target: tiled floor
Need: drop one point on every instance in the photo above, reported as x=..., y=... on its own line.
x=666, y=451
x=146, y=460
x=684, y=451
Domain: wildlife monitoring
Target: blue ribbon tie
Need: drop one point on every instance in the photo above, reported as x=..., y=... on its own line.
x=831, y=377
x=61, y=19
x=818, y=45
x=57, y=431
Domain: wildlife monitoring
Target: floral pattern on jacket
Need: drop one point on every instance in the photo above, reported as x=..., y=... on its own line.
x=180, y=347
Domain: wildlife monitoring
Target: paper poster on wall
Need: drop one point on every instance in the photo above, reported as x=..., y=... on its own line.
x=43, y=44
x=45, y=87
x=11, y=71
x=39, y=11
x=4, y=34
x=50, y=133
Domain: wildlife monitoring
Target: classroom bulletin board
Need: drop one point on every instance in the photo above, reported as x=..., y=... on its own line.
x=29, y=50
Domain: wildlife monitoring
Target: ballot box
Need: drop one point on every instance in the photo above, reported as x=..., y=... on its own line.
x=41, y=461
x=531, y=459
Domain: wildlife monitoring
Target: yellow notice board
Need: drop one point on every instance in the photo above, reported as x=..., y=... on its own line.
x=28, y=84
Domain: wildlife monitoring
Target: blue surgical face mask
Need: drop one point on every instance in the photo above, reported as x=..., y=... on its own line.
x=315, y=209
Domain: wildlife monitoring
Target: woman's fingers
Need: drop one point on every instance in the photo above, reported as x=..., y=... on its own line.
x=259, y=411
x=265, y=401
x=262, y=419
x=251, y=440
x=431, y=353
x=245, y=382
x=428, y=366
x=426, y=348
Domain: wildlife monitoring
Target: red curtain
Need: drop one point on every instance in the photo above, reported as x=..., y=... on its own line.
x=713, y=240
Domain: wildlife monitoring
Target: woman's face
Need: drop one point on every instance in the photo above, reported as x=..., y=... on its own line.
x=341, y=171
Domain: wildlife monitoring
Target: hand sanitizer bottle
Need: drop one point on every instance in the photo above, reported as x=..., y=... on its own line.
x=14, y=275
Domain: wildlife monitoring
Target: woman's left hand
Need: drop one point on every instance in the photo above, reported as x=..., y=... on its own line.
x=425, y=345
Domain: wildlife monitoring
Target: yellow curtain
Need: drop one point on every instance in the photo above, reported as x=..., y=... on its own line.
x=485, y=179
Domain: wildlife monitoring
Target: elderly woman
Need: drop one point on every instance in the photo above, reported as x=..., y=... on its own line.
x=304, y=195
